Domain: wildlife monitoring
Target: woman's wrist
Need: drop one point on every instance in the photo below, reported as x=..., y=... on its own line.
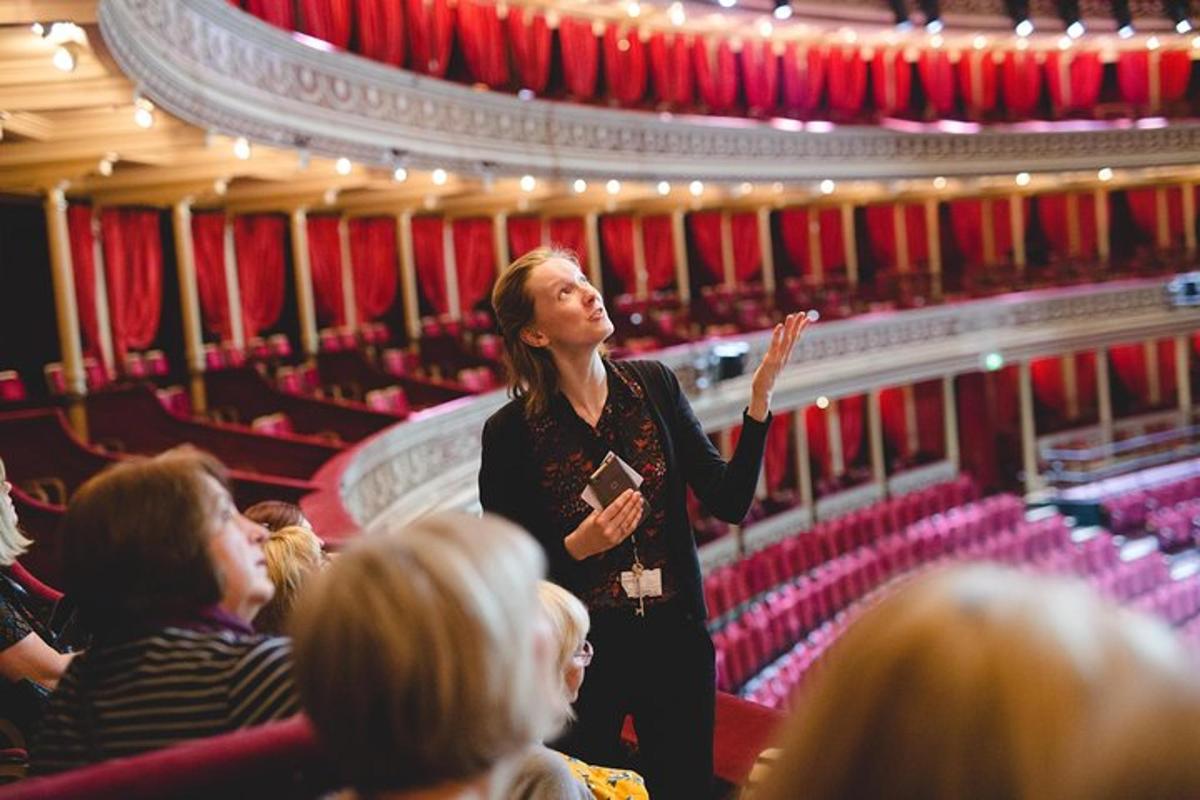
x=575, y=546
x=759, y=407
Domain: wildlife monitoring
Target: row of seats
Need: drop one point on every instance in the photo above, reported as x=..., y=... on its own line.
x=1177, y=525
x=1127, y=512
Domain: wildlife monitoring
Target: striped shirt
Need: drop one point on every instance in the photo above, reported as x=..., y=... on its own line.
x=164, y=688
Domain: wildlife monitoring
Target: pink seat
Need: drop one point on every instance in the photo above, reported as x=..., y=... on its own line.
x=156, y=363
x=56, y=379
x=12, y=388
x=175, y=400
x=280, y=346
x=490, y=346
x=276, y=424
x=135, y=367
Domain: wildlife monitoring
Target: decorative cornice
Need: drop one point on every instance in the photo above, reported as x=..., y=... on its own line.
x=221, y=69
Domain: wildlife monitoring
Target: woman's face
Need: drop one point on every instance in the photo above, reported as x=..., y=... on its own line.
x=576, y=667
x=568, y=311
x=236, y=550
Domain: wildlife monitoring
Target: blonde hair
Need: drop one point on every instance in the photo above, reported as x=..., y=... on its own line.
x=979, y=683
x=569, y=618
x=532, y=374
x=293, y=555
x=417, y=655
x=12, y=543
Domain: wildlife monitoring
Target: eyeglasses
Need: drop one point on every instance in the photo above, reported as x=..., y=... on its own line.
x=583, y=656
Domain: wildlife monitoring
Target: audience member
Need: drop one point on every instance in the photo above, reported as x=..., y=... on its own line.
x=167, y=575
x=988, y=684
x=545, y=772
x=440, y=654
x=276, y=515
x=293, y=556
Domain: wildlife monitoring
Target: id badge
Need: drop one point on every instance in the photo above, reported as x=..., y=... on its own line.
x=648, y=584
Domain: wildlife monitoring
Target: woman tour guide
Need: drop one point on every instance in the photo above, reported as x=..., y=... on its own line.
x=634, y=561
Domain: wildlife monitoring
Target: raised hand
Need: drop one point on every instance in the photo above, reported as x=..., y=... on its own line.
x=783, y=339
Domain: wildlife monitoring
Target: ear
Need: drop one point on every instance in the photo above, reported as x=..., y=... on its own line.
x=534, y=338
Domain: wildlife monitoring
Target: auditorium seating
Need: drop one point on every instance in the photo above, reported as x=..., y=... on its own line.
x=350, y=375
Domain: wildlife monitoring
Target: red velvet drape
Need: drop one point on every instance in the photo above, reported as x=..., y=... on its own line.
x=373, y=256
x=580, y=57
x=851, y=412
x=747, y=251
x=1173, y=70
x=1052, y=213
x=1050, y=388
x=803, y=80
x=529, y=42
x=658, y=250
x=794, y=226
x=1021, y=83
x=379, y=30
x=1129, y=362
x=891, y=76
x=847, y=73
x=259, y=241
x=818, y=438
x=706, y=236
x=430, y=35
x=325, y=262
x=616, y=236
x=568, y=233
x=275, y=12
x=208, y=252
x=671, y=68
x=895, y=420
x=966, y=223
x=937, y=78
x=475, y=259
x=884, y=244
x=1143, y=206
x=625, y=67
x=1073, y=78
x=482, y=42
x=429, y=260
x=524, y=234
x=931, y=426
x=83, y=264
x=716, y=73
x=760, y=76
x=777, y=455
x=329, y=20
x=977, y=78
x=133, y=268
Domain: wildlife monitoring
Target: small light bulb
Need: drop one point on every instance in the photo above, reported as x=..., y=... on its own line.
x=1183, y=26
x=220, y=186
x=634, y=9
x=979, y=42
x=1152, y=43
x=783, y=12
x=439, y=177
x=676, y=14
x=37, y=29
x=1105, y=174
x=241, y=148
x=342, y=166
x=579, y=186
x=528, y=182
x=664, y=188
x=1024, y=28
x=696, y=188
x=143, y=117
x=934, y=25
x=1022, y=179
x=105, y=167
x=822, y=402
x=827, y=186
x=939, y=182
x=1125, y=31
x=765, y=28
x=993, y=361
x=745, y=188
x=64, y=59
x=727, y=3
x=613, y=186
x=1075, y=29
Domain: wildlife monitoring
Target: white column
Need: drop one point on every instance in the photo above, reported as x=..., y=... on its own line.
x=1103, y=240
x=767, y=248
x=1016, y=222
x=833, y=428
x=408, y=275
x=1183, y=378
x=1189, y=217
x=500, y=240
x=679, y=245
x=875, y=431
x=349, y=302
x=1104, y=396
x=816, y=266
x=591, y=235
x=1028, y=428
x=233, y=289
x=727, y=265
x=933, y=242
x=849, y=243
x=189, y=303
x=302, y=268
x=103, y=321
x=803, y=465
x=63, y=276
x=450, y=266
x=640, y=278
x=950, y=418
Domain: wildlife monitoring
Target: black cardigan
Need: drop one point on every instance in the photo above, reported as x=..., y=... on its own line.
x=508, y=483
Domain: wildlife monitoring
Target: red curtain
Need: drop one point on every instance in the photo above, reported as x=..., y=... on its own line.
x=327, y=19
x=83, y=264
x=325, y=262
x=1143, y=204
x=818, y=438
x=966, y=223
x=379, y=27
x=524, y=234
x=850, y=414
x=430, y=35
x=891, y=76
x=133, y=268
x=794, y=225
x=429, y=260
x=671, y=66
x=706, y=236
x=803, y=78
x=259, y=241
x=931, y=427
x=272, y=11
x=884, y=244
x=1073, y=78
x=747, y=251
x=373, y=256
x=1171, y=68
x=580, y=57
x=760, y=75
x=568, y=233
x=475, y=258
x=716, y=73
x=1129, y=362
x=847, y=80
x=529, y=41
x=776, y=458
x=937, y=78
x=616, y=235
x=624, y=64
x=1048, y=385
x=481, y=39
x=977, y=77
x=895, y=420
x=208, y=251
x=658, y=249
x=1055, y=222
x=1021, y=82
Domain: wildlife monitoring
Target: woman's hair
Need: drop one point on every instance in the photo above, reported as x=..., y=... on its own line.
x=12, y=542
x=293, y=556
x=417, y=655
x=985, y=683
x=275, y=515
x=570, y=621
x=531, y=371
x=136, y=540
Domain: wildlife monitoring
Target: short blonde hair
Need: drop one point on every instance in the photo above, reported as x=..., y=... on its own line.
x=417, y=653
x=293, y=555
x=977, y=682
x=570, y=621
x=12, y=543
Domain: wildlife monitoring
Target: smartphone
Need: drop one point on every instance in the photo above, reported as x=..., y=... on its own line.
x=610, y=479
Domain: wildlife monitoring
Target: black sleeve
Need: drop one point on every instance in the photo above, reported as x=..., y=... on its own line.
x=725, y=488
x=504, y=489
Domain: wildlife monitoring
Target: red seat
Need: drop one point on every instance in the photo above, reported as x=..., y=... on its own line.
x=156, y=363
x=135, y=366
x=12, y=388
x=56, y=379
x=214, y=358
x=273, y=424
x=280, y=346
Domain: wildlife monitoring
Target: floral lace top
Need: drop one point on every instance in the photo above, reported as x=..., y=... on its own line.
x=607, y=783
